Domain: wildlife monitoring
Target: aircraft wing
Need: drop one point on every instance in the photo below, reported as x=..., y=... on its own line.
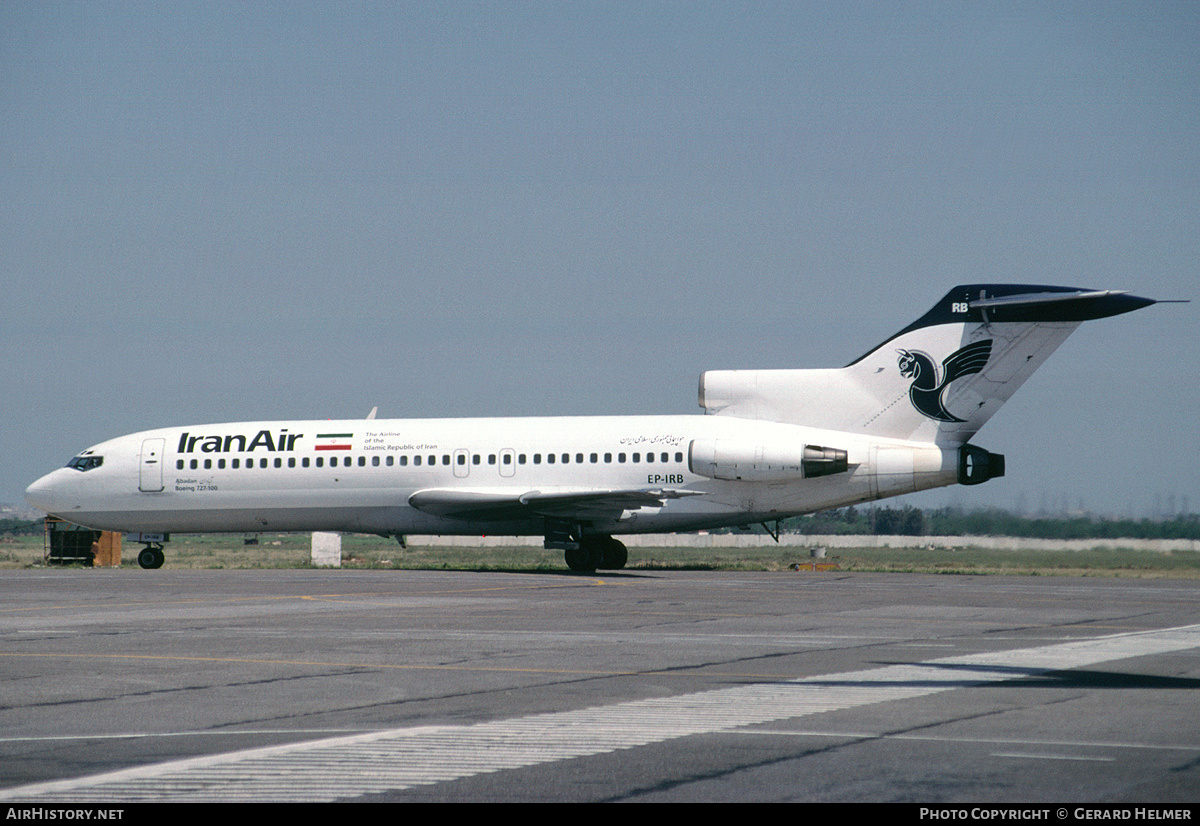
x=581, y=505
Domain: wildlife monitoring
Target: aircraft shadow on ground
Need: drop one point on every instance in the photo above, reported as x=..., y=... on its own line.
x=1030, y=677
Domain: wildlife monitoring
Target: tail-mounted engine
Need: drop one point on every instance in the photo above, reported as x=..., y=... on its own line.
x=976, y=465
x=749, y=462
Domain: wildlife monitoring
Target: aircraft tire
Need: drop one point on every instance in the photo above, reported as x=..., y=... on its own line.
x=584, y=559
x=614, y=554
x=151, y=558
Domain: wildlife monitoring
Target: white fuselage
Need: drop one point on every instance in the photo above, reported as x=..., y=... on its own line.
x=359, y=475
x=775, y=443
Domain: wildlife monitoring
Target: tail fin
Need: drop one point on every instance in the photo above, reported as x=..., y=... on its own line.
x=937, y=380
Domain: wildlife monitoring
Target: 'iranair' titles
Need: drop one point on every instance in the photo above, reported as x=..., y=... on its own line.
x=239, y=442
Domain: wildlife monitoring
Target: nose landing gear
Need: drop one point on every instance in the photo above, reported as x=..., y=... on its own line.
x=151, y=556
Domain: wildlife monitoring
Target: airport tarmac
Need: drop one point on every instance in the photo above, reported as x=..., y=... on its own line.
x=295, y=685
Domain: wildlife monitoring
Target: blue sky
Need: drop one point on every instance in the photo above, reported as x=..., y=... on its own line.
x=219, y=212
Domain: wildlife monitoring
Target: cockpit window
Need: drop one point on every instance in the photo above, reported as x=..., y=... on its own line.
x=86, y=462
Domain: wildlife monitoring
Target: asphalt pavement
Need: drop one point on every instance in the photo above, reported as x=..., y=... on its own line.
x=320, y=685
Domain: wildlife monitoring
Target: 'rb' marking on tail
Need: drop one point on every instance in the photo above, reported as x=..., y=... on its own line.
x=926, y=392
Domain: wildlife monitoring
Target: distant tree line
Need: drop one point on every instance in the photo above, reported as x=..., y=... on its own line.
x=21, y=526
x=910, y=521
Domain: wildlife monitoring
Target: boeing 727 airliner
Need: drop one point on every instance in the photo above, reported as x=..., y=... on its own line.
x=776, y=443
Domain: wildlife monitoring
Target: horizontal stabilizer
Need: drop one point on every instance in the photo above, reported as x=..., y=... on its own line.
x=1025, y=303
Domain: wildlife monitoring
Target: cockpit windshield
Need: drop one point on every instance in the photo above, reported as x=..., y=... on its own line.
x=86, y=462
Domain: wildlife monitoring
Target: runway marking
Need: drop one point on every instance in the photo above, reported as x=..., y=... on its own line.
x=657, y=638
x=144, y=735
x=1026, y=756
x=682, y=671
x=350, y=597
x=346, y=767
x=330, y=664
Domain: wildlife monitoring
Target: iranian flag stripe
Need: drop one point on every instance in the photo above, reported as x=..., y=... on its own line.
x=333, y=441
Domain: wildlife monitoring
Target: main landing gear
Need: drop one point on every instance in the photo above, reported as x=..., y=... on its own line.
x=597, y=552
x=585, y=552
x=151, y=556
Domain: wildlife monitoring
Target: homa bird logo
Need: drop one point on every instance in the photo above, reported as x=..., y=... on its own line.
x=926, y=391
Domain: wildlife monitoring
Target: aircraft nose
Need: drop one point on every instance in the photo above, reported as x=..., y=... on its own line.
x=43, y=494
